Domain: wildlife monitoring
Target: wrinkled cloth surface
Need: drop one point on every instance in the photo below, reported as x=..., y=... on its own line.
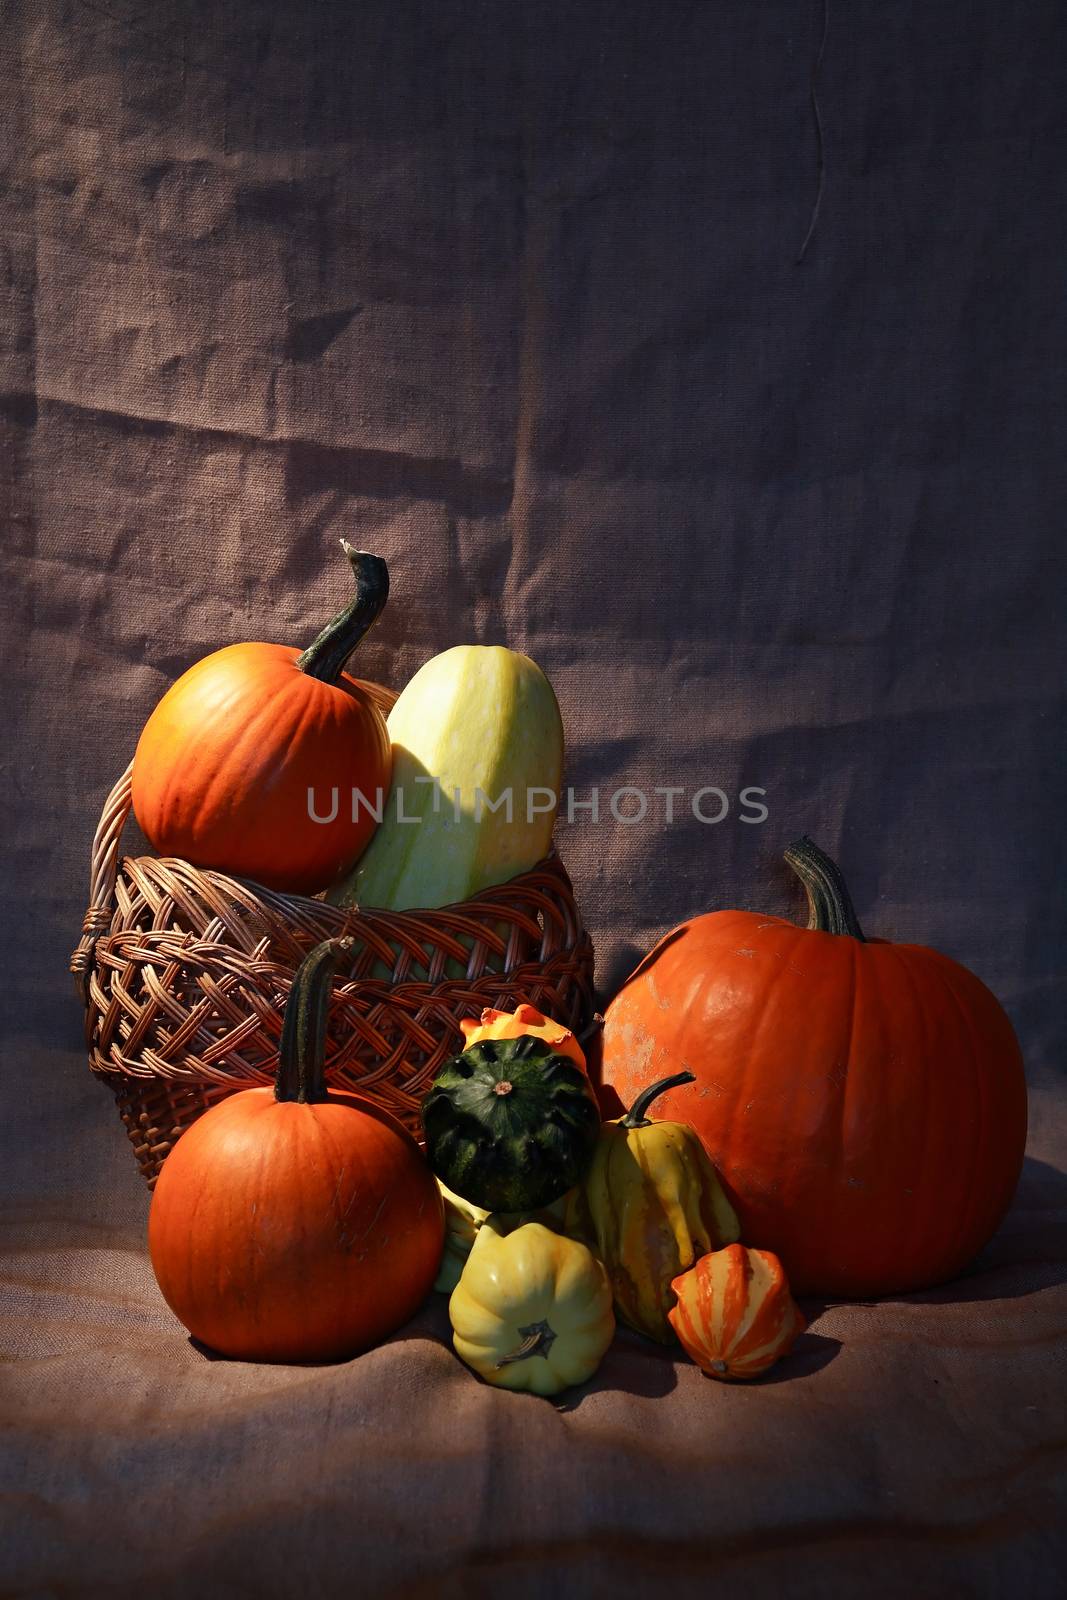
x=512, y=296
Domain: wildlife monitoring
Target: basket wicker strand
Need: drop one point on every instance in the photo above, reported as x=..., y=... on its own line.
x=185, y=974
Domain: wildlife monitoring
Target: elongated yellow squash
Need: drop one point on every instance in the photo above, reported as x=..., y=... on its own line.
x=484, y=722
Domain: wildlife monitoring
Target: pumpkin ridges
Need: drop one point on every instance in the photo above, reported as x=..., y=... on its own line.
x=223, y=764
x=194, y=777
x=820, y=1175
x=781, y=944
x=273, y=1220
x=773, y=1161
x=917, y=1148
x=341, y=1160
x=971, y=1098
x=259, y=728
x=848, y=1029
x=908, y=1150
x=300, y=1272
x=890, y=1006
x=1010, y=1120
x=911, y=1142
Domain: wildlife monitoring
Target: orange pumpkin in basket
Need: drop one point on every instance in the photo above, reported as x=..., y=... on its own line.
x=863, y=1102
x=292, y=1223
x=734, y=1314
x=249, y=762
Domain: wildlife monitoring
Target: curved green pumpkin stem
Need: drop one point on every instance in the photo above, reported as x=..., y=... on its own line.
x=326, y=657
x=301, y=1055
x=830, y=908
x=635, y=1117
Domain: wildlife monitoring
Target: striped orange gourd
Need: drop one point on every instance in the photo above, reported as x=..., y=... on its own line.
x=734, y=1314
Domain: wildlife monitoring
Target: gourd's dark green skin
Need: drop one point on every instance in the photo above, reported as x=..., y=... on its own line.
x=513, y=1149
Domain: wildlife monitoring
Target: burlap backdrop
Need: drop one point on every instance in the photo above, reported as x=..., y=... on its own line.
x=511, y=295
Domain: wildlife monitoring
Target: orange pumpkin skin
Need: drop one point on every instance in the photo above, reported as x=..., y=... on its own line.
x=292, y=1224
x=863, y=1102
x=288, y=1232
x=493, y=1024
x=734, y=1314
x=224, y=764
x=256, y=742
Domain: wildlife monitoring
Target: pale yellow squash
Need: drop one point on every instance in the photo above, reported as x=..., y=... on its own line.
x=532, y=1309
x=478, y=718
x=462, y=1224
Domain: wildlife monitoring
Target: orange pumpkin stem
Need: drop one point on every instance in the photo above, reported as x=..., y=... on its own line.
x=325, y=658
x=635, y=1117
x=830, y=908
x=301, y=1073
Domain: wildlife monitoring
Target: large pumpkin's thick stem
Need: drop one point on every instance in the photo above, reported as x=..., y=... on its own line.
x=301, y=1074
x=635, y=1117
x=830, y=908
x=326, y=657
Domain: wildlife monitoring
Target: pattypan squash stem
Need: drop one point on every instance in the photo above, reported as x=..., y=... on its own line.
x=830, y=908
x=635, y=1117
x=301, y=1074
x=325, y=658
x=538, y=1342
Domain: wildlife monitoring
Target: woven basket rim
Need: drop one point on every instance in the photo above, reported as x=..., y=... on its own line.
x=489, y=896
x=379, y=923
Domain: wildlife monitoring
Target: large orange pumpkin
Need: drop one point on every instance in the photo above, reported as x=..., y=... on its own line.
x=292, y=1223
x=864, y=1102
x=249, y=761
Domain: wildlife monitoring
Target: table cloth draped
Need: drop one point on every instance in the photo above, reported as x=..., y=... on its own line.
x=511, y=295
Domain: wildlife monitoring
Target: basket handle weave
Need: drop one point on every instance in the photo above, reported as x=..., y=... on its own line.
x=103, y=873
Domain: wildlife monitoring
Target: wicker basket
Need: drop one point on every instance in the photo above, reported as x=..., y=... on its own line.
x=185, y=974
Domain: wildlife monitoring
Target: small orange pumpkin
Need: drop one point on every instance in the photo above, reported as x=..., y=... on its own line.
x=293, y=1223
x=249, y=762
x=524, y=1019
x=734, y=1314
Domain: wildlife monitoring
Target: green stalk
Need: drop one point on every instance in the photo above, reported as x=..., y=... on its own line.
x=830, y=908
x=635, y=1117
x=325, y=658
x=301, y=1056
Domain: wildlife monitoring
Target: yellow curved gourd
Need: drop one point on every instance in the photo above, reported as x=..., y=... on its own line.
x=532, y=1310
x=650, y=1205
x=477, y=718
x=462, y=1222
